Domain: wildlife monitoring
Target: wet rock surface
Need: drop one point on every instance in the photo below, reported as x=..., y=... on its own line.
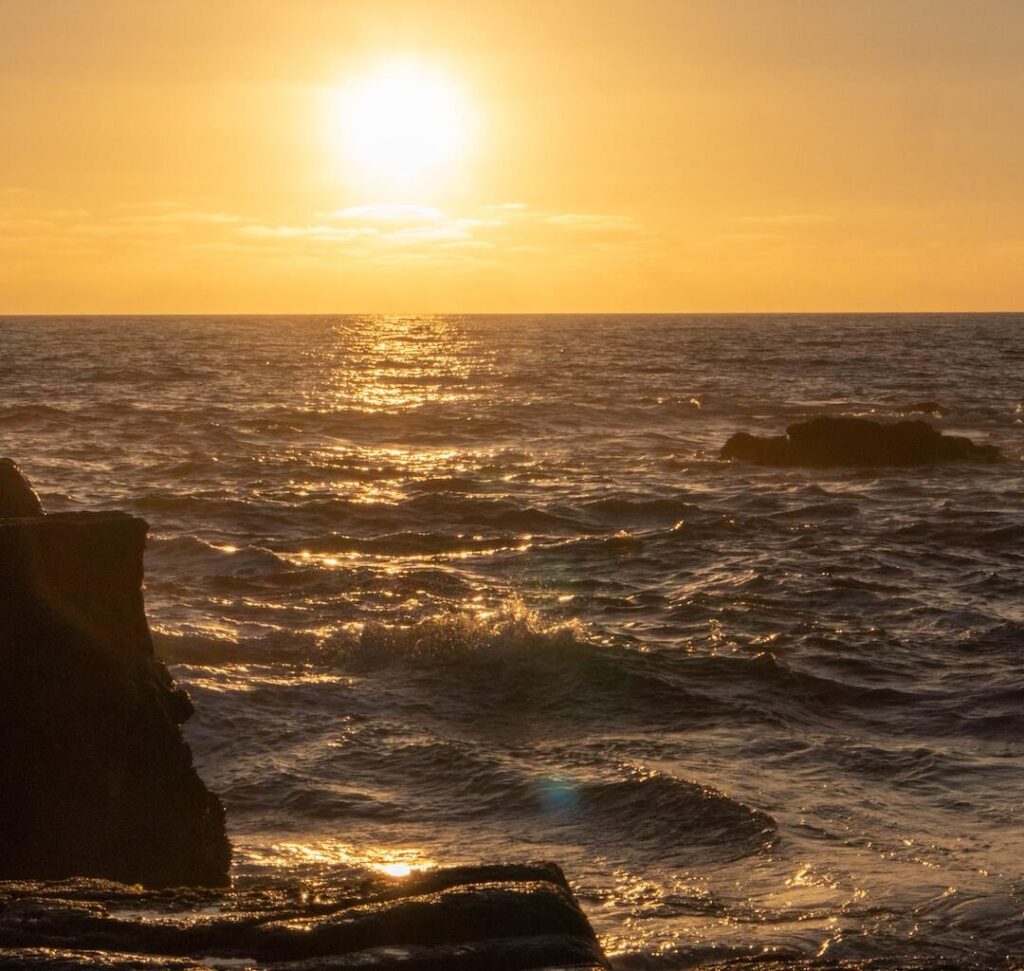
x=503, y=918
x=824, y=442
x=95, y=778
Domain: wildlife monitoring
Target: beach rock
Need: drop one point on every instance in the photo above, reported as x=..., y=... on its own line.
x=467, y=919
x=17, y=497
x=95, y=778
x=823, y=442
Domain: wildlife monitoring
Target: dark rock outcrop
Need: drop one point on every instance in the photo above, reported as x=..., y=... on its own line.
x=823, y=442
x=95, y=779
x=17, y=497
x=465, y=919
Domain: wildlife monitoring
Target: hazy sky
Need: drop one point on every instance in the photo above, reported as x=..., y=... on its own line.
x=653, y=155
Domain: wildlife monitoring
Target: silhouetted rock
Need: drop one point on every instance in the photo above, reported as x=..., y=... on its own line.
x=17, y=497
x=823, y=442
x=468, y=919
x=95, y=779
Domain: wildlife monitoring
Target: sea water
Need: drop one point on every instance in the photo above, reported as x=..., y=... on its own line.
x=449, y=589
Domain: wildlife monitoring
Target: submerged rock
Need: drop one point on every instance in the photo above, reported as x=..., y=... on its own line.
x=823, y=442
x=95, y=778
x=466, y=919
x=17, y=497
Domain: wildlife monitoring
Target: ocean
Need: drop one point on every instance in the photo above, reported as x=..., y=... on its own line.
x=449, y=589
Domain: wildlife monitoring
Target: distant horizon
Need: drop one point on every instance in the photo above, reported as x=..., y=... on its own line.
x=521, y=313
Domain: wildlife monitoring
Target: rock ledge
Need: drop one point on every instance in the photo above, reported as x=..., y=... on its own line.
x=498, y=918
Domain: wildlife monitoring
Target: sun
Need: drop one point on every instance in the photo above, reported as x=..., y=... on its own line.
x=402, y=126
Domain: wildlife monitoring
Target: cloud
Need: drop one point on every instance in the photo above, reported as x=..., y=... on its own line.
x=316, y=232
x=788, y=219
x=593, y=222
x=492, y=226
x=417, y=234
x=384, y=233
x=183, y=218
x=385, y=212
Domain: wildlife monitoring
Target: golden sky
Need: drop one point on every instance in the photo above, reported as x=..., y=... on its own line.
x=275, y=156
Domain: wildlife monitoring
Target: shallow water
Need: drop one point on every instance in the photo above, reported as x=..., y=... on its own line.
x=453, y=589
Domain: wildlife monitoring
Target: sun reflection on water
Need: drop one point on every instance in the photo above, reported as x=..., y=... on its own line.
x=395, y=364
x=394, y=869
x=388, y=861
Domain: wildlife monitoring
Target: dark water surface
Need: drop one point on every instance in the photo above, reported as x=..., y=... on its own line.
x=451, y=589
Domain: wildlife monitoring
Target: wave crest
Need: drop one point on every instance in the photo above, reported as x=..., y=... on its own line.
x=511, y=632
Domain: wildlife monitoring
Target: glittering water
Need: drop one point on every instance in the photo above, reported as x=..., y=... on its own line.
x=451, y=589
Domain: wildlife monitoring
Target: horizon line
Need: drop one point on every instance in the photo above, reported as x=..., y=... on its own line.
x=513, y=313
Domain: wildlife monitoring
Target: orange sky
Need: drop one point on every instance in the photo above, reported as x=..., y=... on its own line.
x=656, y=155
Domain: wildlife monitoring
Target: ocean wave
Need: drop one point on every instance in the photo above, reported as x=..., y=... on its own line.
x=501, y=512
x=409, y=543
x=435, y=781
x=491, y=667
x=510, y=659
x=193, y=554
x=140, y=375
x=617, y=509
x=682, y=819
x=450, y=483
x=927, y=769
x=183, y=646
x=979, y=535
x=512, y=634
x=21, y=414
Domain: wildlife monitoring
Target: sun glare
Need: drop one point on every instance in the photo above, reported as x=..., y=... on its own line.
x=395, y=869
x=402, y=126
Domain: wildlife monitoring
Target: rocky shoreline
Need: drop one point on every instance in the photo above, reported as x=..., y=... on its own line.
x=492, y=917
x=105, y=820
